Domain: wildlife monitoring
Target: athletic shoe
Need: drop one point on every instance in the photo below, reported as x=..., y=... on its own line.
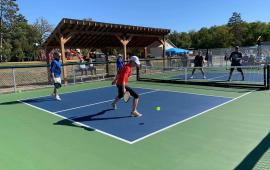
x=204, y=77
x=191, y=77
x=136, y=114
x=114, y=106
x=57, y=97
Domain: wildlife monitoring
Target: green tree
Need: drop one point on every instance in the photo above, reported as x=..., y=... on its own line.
x=9, y=8
x=236, y=28
x=44, y=29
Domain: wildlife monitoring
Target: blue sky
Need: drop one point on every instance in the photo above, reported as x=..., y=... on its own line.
x=173, y=14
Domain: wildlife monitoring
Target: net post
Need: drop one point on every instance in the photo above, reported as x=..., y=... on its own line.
x=268, y=77
x=185, y=74
x=265, y=76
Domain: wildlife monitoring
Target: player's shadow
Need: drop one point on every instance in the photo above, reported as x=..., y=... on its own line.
x=255, y=155
x=93, y=117
x=38, y=100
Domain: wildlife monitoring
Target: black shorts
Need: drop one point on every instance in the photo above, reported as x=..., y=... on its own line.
x=238, y=69
x=238, y=65
x=121, y=92
x=198, y=65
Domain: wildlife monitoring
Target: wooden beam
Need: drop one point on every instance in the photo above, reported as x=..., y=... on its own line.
x=63, y=57
x=145, y=52
x=48, y=61
x=112, y=33
x=163, y=41
x=124, y=42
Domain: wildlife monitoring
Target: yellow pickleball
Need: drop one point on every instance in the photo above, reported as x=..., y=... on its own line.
x=158, y=108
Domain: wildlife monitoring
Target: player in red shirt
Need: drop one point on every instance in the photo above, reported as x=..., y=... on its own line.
x=122, y=81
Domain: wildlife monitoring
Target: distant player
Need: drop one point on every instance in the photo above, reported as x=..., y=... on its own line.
x=56, y=68
x=198, y=63
x=121, y=83
x=236, y=58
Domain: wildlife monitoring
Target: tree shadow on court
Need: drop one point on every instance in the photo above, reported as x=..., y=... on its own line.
x=255, y=155
x=38, y=100
x=10, y=103
x=27, y=101
x=72, y=120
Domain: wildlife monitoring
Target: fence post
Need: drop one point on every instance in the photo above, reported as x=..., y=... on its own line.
x=138, y=73
x=74, y=74
x=186, y=74
x=14, y=80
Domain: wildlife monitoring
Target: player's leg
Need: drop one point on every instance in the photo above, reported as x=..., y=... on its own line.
x=203, y=73
x=192, y=74
x=231, y=72
x=135, y=96
x=242, y=73
x=118, y=97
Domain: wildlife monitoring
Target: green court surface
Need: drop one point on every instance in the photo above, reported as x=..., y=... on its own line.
x=233, y=136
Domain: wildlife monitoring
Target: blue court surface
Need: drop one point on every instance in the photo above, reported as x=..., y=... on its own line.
x=92, y=109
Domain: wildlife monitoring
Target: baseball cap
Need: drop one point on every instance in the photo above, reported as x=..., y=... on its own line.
x=135, y=59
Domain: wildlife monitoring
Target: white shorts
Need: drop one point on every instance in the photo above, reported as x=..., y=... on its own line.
x=57, y=80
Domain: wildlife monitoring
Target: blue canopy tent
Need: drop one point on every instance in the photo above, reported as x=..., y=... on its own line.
x=173, y=51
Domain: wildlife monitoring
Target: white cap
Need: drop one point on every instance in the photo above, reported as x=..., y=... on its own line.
x=135, y=59
x=78, y=50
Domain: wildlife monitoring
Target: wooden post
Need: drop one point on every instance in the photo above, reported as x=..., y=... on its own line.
x=64, y=40
x=125, y=51
x=124, y=42
x=163, y=41
x=145, y=52
x=48, y=61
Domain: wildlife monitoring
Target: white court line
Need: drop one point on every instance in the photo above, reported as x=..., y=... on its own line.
x=78, y=123
x=92, y=104
x=183, y=92
x=151, y=134
x=75, y=91
x=217, y=77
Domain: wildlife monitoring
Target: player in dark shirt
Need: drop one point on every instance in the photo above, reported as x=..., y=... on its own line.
x=236, y=58
x=198, y=63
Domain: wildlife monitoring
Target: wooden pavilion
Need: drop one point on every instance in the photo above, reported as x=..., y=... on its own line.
x=71, y=33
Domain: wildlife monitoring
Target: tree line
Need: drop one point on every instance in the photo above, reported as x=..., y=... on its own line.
x=235, y=32
x=20, y=40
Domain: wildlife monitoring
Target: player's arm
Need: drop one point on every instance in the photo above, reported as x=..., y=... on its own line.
x=52, y=71
x=115, y=79
x=125, y=77
x=230, y=58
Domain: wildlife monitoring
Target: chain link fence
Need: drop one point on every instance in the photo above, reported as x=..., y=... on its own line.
x=20, y=78
x=251, y=55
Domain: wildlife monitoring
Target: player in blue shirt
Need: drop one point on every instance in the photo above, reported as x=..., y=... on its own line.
x=119, y=65
x=56, y=68
x=119, y=62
